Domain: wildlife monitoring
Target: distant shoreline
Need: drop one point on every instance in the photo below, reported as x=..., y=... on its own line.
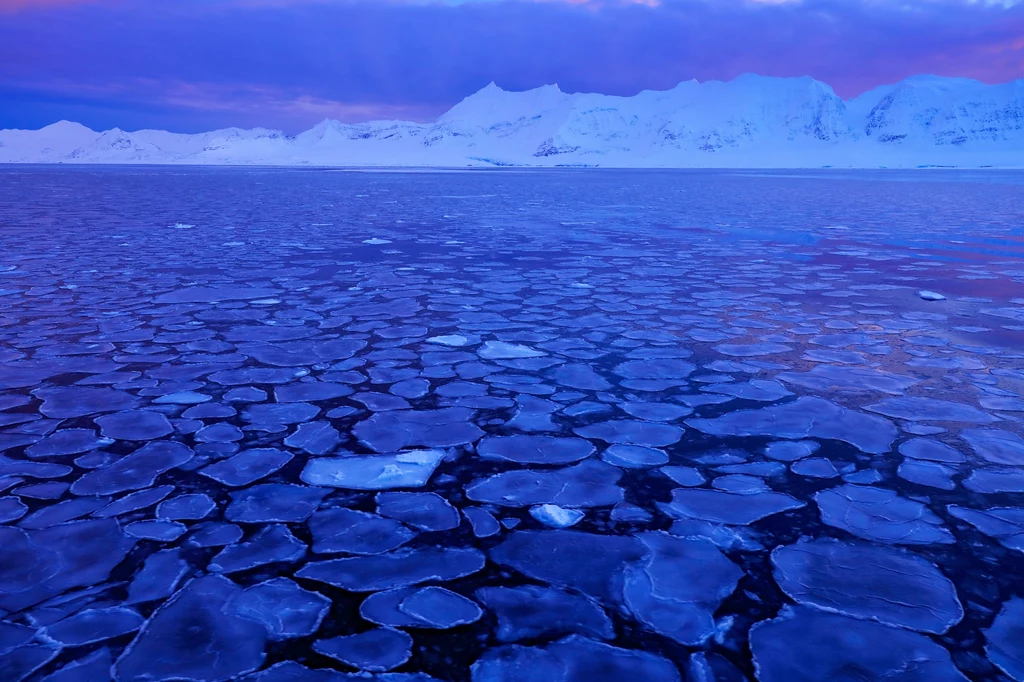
x=504, y=168
x=749, y=122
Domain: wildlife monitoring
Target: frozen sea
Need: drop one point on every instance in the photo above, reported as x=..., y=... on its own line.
x=511, y=426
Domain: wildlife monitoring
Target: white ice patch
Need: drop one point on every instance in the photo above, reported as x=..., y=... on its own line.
x=449, y=340
x=556, y=517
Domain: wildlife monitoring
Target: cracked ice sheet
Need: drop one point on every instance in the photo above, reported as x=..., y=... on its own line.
x=489, y=335
x=805, y=417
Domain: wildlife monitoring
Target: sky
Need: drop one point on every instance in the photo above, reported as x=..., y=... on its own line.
x=194, y=65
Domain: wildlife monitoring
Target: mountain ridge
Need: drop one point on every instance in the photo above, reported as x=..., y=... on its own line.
x=751, y=121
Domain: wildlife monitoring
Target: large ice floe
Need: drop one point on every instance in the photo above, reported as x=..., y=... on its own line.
x=510, y=427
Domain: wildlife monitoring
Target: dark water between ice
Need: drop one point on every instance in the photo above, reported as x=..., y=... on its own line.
x=257, y=422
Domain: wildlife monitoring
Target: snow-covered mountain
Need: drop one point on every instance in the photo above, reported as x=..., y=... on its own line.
x=752, y=121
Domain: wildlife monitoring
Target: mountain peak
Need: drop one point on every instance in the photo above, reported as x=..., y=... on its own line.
x=943, y=83
x=751, y=121
x=324, y=129
x=492, y=104
x=65, y=126
x=326, y=123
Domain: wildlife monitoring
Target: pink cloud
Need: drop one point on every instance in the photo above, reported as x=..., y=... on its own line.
x=254, y=105
x=280, y=104
x=22, y=5
x=11, y=6
x=289, y=63
x=30, y=5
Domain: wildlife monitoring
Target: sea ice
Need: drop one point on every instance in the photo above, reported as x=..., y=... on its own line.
x=933, y=450
x=426, y=511
x=273, y=543
x=190, y=507
x=139, y=469
x=70, y=402
x=634, y=456
x=996, y=445
x=573, y=659
x=482, y=522
x=881, y=515
x=20, y=662
x=192, y=637
x=655, y=412
x=40, y=564
x=134, y=425
x=396, y=430
x=375, y=650
x=530, y=612
x=671, y=369
x=578, y=376
x=755, y=389
x=499, y=350
x=401, y=568
x=214, y=534
x=791, y=451
x=159, y=530
x=93, y=666
x=356, y=532
x=804, y=417
x=585, y=562
x=67, y=442
x=729, y=508
x=286, y=610
x=529, y=449
x=632, y=432
x=158, y=577
x=829, y=378
x=750, y=350
x=888, y=585
x=94, y=625
x=677, y=587
x=930, y=474
x=315, y=438
x=687, y=476
x=274, y=503
x=587, y=484
x=814, y=467
x=992, y=481
x=1004, y=646
x=929, y=410
x=553, y=516
x=439, y=608
x=806, y=645
x=411, y=469
x=1005, y=524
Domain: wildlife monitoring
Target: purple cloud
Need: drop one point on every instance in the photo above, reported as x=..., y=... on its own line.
x=196, y=64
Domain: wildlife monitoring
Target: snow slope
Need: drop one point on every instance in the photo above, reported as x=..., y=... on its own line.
x=752, y=121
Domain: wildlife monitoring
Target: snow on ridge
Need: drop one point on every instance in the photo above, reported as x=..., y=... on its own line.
x=751, y=121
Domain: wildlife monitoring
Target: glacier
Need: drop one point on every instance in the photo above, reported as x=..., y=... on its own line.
x=750, y=122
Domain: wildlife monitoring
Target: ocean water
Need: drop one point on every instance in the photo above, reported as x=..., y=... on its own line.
x=511, y=425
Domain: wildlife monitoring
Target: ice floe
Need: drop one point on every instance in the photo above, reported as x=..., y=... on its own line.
x=878, y=583
x=803, y=418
